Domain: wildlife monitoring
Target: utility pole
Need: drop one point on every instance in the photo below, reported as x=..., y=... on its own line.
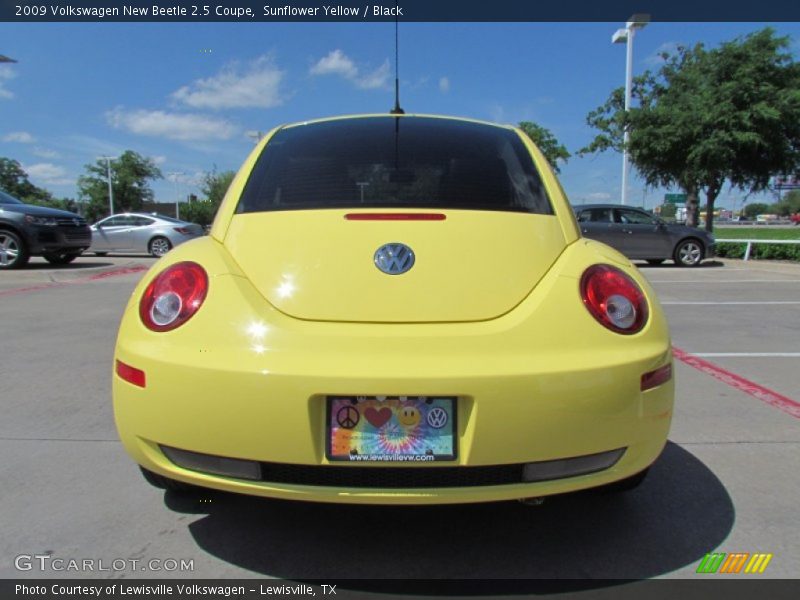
x=174, y=175
x=625, y=36
x=108, y=160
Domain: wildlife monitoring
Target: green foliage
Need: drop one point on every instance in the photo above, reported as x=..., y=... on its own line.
x=668, y=211
x=201, y=212
x=610, y=119
x=710, y=116
x=14, y=181
x=759, y=251
x=215, y=185
x=60, y=203
x=131, y=174
x=547, y=143
x=789, y=205
x=762, y=251
x=758, y=232
x=756, y=208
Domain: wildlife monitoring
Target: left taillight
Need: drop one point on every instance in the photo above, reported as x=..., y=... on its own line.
x=614, y=299
x=173, y=297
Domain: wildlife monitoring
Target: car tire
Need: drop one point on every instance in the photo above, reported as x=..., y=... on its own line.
x=655, y=261
x=625, y=485
x=159, y=246
x=689, y=253
x=165, y=483
x=60, y=258
x=13, y=251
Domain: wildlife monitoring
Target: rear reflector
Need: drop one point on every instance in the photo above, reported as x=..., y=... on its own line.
x=131, y=374
x=215, y=465
x=657, y=377
x=395, y=217
x=571, y=467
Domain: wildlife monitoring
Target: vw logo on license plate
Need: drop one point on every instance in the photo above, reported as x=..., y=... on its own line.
x=394, y=259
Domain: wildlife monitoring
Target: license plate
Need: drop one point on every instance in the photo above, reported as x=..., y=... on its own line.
x=391, y=428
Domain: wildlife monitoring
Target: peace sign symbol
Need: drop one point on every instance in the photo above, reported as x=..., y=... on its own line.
x=347, y=417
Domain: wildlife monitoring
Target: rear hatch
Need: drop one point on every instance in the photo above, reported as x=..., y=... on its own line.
x=323, y=198
x=319, y=265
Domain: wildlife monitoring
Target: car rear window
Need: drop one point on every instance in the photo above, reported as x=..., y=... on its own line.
x=395, y=162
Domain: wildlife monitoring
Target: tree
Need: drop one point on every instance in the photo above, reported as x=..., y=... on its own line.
x=215, y=185
x=789, y=204
x=668, y=211
x=757, y=208
x=14, y=181
x=710, y=116
x=547, y=143
x=131, y=174
x=201, y=212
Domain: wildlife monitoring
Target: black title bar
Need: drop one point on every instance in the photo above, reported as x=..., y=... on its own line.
x=389, y=10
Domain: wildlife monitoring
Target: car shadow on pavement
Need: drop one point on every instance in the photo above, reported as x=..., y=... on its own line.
x=706, y=264
x=678, y=514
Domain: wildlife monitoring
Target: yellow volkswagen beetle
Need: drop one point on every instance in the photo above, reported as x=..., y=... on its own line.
x=394, y=309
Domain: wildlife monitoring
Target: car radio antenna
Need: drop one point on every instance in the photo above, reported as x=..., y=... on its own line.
x=396, y=110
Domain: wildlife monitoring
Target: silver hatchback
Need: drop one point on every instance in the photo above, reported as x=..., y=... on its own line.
x=141, y=232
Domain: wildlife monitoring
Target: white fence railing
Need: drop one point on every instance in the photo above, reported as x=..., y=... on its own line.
x=750, y=243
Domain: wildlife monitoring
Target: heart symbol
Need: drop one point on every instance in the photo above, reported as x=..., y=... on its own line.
x=378, y=418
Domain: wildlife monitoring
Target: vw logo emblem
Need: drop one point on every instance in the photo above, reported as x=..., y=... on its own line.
x=394, y=259
x=437, y=418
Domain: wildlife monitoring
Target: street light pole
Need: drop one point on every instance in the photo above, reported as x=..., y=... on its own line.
x=108, y=160
x=637, y=21
x=175, y=175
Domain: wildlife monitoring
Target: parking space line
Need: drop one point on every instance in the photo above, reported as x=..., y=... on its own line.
x=747, y=354
x=32, y=288
x=724, y=280
x=759, y=303
x=87, y=279
x=766, y=395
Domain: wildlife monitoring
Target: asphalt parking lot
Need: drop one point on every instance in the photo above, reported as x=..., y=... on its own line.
x=728, y=480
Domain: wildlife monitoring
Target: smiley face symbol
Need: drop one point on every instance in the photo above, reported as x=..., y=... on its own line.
x=408, y=416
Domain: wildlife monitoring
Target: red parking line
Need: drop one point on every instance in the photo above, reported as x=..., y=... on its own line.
x=87, y=279
x=33, y=288
x=766, y=395
x=113, y=273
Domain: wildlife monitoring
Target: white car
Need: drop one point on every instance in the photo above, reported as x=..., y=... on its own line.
x=141, y=232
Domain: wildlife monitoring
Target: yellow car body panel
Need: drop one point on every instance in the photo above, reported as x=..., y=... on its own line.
x=536, y=377
x=328, y=274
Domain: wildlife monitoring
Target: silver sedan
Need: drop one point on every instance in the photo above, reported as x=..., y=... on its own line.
x=140, y=232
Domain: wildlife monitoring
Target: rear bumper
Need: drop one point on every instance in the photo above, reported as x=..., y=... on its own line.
x=280, y=419
x=545, y=382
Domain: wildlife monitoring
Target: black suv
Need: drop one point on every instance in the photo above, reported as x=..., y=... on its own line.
x=27, y=230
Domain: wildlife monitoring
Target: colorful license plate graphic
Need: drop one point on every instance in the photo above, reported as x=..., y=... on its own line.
x=391, y=428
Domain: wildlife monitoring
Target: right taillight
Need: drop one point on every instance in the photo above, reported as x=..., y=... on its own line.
x=174, y=296
x=614, y=299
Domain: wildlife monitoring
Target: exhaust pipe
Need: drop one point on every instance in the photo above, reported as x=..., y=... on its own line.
x=532, y=501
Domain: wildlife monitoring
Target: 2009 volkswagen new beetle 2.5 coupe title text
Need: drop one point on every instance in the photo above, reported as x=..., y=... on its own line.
x=398, y=310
